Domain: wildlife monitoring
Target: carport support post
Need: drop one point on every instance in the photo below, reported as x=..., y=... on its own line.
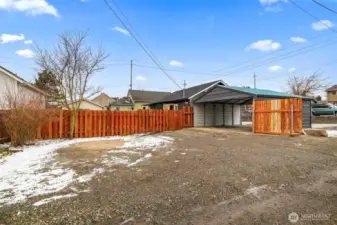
x=232, y=115
x=253, y=116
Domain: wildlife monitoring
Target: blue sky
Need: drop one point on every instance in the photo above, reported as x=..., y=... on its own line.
x=204, y=36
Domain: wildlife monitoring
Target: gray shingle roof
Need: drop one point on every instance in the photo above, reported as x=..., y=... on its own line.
x=123, y=101
x=147, y=96
x=189, y=92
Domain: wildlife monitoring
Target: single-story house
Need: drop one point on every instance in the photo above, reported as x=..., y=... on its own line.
x=12, y=84
x=88, y=105
x=104, y=100
x=142, y=98
x=218, y=104
x=122, y=104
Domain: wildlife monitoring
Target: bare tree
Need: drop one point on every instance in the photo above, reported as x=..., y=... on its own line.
x=73, y=63
x=305, y=85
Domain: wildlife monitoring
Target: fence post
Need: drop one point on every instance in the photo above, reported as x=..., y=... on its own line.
x=292, y=118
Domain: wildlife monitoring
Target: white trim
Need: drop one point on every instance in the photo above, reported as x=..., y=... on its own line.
x=220, y=81
x=12, y=76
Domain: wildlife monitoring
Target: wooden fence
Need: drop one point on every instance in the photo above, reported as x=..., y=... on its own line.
x=110, y=123
x=283, y=116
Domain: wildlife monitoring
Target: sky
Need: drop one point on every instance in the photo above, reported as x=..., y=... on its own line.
x=205, y=39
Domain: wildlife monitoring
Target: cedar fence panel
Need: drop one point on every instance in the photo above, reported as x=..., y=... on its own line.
x=109, y=123
x=275, y=116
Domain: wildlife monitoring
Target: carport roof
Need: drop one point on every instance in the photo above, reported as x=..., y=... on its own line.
x=264, y=92
x=241, y=95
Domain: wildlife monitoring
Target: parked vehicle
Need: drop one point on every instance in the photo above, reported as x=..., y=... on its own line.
x=323, y=109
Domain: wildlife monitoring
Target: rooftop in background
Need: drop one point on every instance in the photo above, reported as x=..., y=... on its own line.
x=333, y=88
x=123, y=101
x=146, y=96
x=189, y=92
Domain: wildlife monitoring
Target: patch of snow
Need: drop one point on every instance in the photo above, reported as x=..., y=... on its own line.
x=255, y=190
x=332, y=133
x=147, y=142
x=113, y=160
x=322, y=125
x=183, y=153
x=149, y=155
x=88, y=177
x=32, y=172
x=47, y=200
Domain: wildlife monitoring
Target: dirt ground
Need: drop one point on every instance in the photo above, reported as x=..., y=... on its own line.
x=203, y=177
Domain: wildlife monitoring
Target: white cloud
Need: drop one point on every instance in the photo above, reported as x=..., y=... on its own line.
x=320, y=25
x=275, y=68
x=276, y=8
x=140, y=78
x=121, y=30
x=175, y=63
x=298, y=39
x=28, y=42
x=25, y=53
x=32, y=7
x=291, y=70
x=268, y=2
x=264, y=45
x=272, y=5
x=6, y=38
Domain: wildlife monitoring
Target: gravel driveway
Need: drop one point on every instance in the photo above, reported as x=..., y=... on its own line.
x=192, y=177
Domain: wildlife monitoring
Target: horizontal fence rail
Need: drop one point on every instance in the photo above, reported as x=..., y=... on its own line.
x=282, y=116
x=91, y=123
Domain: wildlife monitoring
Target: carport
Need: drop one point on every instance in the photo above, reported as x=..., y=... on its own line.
x=220, y=106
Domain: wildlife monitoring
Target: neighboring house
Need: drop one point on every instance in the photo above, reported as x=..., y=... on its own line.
x=103, y=100
x=178, y=99
x=122, y=104
x=331, y=94
x=88, y=105
x=12, y=84
x=142, y=99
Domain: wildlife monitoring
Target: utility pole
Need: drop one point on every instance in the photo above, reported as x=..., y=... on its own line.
x=184, y=88
x=131, y=74
x=254, y=81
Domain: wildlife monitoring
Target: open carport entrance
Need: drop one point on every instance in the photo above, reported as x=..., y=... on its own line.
x=273, y=112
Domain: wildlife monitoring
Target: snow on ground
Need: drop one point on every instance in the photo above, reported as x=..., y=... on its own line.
x=322, y=125
x=33, y=172
x=47, y=200
x=332, y=133
x=88, y=177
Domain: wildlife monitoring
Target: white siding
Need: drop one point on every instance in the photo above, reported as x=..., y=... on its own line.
x=7, y=84
x=214, y=116
x=198, y=115
x=209, y=115
x=228, y=114
x=219, y=118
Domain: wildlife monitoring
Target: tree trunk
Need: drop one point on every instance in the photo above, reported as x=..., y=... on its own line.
x=72, y=123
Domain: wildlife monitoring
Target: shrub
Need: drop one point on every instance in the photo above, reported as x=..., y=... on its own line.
x=24, y=115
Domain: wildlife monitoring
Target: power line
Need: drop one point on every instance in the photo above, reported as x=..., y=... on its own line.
x=148, y=52
x=324, y=6
x=313, y=16
x=278, y=58
x=179, y=71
